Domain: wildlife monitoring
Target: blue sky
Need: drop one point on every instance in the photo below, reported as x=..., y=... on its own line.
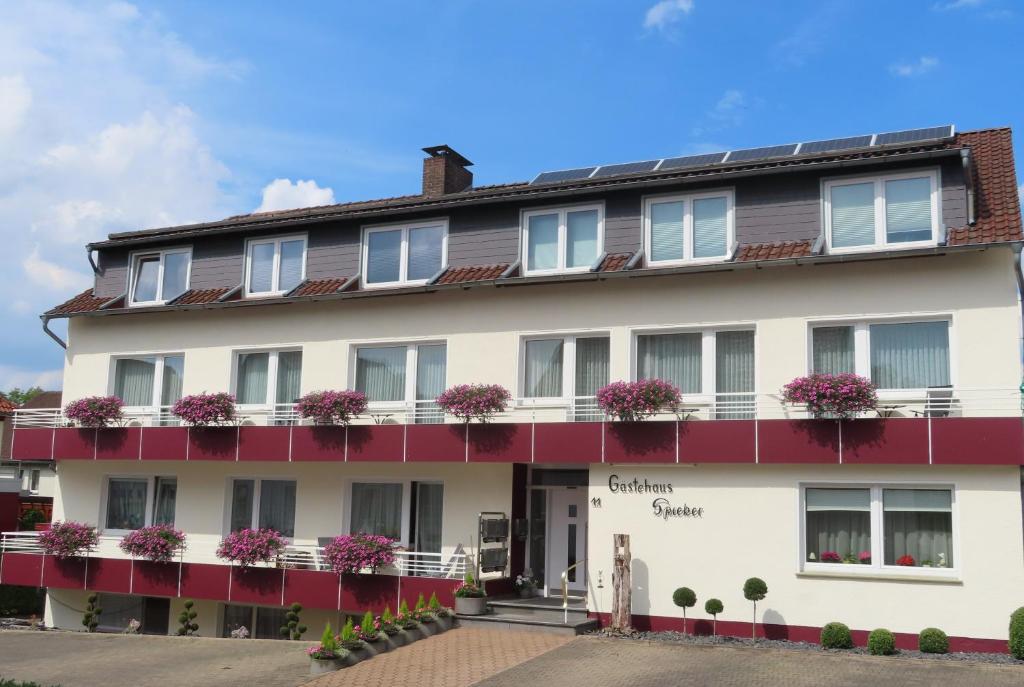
x=117, y=116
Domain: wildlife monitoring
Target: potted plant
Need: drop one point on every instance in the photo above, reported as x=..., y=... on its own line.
x=525, y=585
x=635, y=401
x=68, y=539
x=425, y=617
x=95, y=412
x=838, y=396
x=157, y=543
x=470, y=598
x=327, y=656
x=389, y=627
x=351, y=553
x=441, y=613
x=408, y=622
x=331, y=407
x=205, y=410
x=370, y=632
x=350, y=641
x=480, y=401
x=251, y=546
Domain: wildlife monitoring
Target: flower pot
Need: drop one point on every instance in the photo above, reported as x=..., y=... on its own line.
x=319, y=666
x=428, y=629
x=527, y=593
x=413, y=634
x=363, y=653
x=349, y=659
x=396, y=640
x=468, y=605
x=381, y=645
x=445, y=623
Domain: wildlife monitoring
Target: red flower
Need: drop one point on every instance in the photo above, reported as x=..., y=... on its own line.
x=906, y=560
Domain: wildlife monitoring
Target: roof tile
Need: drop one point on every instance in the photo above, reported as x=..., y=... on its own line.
x=83, y=302
x=996, y=196
x=461, y=275
x=318, y=287
x=614, y=262
x=779, y=250
x=200, y=296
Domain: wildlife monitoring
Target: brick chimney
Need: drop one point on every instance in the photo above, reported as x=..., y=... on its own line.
x=444, y=172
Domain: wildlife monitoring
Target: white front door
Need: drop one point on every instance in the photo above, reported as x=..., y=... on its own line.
x=567, y=539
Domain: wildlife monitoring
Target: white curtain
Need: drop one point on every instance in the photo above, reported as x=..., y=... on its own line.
x=542, y=242
x=734, y=374
x=277, y=506
x=431, y=362
x=175, y=275
x=853, y=215
x=252, y=377
x=908, y=210
x=429, y=513
x=913, y=355
x=380, y=373
x=243, y=499
x=838, y=520
x=126, y=504
x=133, y=380
x=591, y=364
x=384, y=256
x=166, y=499
x=289, y=376
x=543, y=373
x=710, y=219
x=425, y=246
x=290, y=272
x=376, y=509
x=174, y=373
x=581, y=238
x=918, y=523
x=261, y=267
x=675, y=358
x=667, y=230
x=833, y=350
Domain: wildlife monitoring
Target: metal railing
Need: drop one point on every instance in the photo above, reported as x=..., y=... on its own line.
x=565, y=590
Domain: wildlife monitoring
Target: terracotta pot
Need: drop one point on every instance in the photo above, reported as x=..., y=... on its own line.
x=465, y=605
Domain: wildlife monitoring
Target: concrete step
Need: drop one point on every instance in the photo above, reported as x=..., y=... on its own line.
x=538, y=611
x=508, y=621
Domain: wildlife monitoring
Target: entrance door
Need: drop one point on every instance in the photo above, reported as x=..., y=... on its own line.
x=567, y=539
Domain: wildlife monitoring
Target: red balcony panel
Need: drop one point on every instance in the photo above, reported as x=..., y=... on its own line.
x=23, y=569
x=717, y=441
x=318, y=444
x=798, y=441
x=567, y=442
x=263, y=443
x=73, y=443
x=155, y=579
x=640, y=442
x=164, y=443
x=362, y=592
x=977, y=441
x=436, y=443
x=67, y=573
x=312, y=589
x=119, y=443
x=886, y=441
x=205, y=581
x=376, y=443
x=503, y=442
x=109, y=575
x=213, y=443
x=32, y=443
x=256, y=586
x=411, y=587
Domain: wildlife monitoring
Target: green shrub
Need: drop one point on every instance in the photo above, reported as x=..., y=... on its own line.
x=91, y=617
x=293, y=629
x=881, y=642
x=836, y=636
x=16, y=600
x=18, y=683
x=30, y=518
x=713, y=607
x=754, y=589
x=187, y=620
x=932, y=640
x=684, y=597
x=1017, y=634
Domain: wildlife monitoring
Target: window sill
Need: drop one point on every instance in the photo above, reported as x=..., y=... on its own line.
x=395, y=284
x=952, y=578
x=682, y=263
x=556, y=271
x=882, y=247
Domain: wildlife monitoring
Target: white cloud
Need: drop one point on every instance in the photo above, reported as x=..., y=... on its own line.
x=666, y=13
x=956, y=5
x=729, y=111
x=922, y=65
x=15, y=100
x=52, y=276
x=282, y=194
x=10, y=377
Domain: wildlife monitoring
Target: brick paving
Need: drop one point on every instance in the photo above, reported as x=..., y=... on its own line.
x=597, y=662
x=457, y=658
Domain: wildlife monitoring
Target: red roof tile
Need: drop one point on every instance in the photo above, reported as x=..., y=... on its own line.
x=200, y=296
x=996, y=198
x=780, y=250
x=460, y=275
x=318, y=287
x=83, y=302
x=5, y=404
x=614, y=262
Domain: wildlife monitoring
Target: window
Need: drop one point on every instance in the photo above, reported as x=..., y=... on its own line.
x=159, y=277
x=406, y=254
x=403, y=374
x=562, y=239
x=896, y=209
x=263, y=503
x=259, y=621
x=275, y=266
x=894, y=355
x=149, y=381
x=405, y=511
x=135, y=502
x=268, y=377
x=565, y=368
x=875, y=528
x=688, y=228
x=33, y=480
x=377, y=509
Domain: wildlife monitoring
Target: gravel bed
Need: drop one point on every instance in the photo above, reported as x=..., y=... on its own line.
x=702, y=640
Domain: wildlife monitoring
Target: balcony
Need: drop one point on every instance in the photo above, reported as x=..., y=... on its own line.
x=949, y=426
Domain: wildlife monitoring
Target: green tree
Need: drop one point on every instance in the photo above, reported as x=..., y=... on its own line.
x=19, y=396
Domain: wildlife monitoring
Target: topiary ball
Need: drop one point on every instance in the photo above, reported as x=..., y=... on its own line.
x=932, y=640
x=684, y=597
x=1017, y=634
x=754, y=589
x=881, y=642
x=713, y=607
x=836, y=636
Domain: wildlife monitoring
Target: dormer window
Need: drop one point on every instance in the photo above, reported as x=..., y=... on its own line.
x=565, y=239
x=404, y=254
x=692, y=228
x=894, y=210
x=159, y=276
x=275, y=266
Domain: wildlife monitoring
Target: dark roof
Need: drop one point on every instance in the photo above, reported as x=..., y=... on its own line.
x=198, y=296
x=45, y=399
x=318, y=287
x=997, y=198
x=460, y=275
x=779, y=250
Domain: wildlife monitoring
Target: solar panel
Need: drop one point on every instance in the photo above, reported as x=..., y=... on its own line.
x=564, y=175
x=835, y=144
x=912, y=135
x=691, y=161
x=625, y=168
x=761, y=153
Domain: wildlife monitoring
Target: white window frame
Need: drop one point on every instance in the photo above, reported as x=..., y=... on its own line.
x=881, y=237
x=271, y=399
x=708, y=356
x=276, y=275
x=158, y=375
x=133, y=269
x=862, y=346
x=403, y=258
x=411, y=367
x=150, y=499
x=254, y=516
x=563, y=231
x=877, y=568
x=568, y=396
x=687, y=199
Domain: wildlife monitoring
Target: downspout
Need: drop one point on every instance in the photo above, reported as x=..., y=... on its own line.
x=92, y=263
x=965, y=160
x=1019, y=273
x=49, y=332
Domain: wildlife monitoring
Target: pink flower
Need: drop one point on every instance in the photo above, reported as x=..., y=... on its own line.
x=864, y=556
x=632, y=401
x=830, y=557
x=826, y=395
x=468, y=401
x=351, y=553
x=68, y=539
x=332, y=407
x=247, y=547
x=157, y=543
x=95, y=411
x=206, y=409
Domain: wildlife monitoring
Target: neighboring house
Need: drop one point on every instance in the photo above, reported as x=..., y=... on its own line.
x=893, y=256
x=38, y=477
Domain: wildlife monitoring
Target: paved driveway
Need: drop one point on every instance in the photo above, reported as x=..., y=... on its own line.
x=597, y=662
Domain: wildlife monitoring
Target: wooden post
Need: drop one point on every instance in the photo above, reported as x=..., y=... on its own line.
x=622, y=584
